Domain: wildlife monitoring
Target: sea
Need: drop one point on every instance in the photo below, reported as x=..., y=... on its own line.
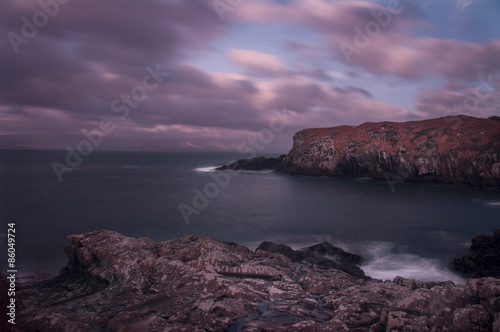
x=400, y=229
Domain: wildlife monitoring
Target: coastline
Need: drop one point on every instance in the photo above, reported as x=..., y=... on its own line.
x=427, y=151
x=113, y=281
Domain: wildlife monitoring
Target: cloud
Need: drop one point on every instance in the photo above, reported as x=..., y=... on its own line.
x=478, y=102
x=67, y=77
x=257, y=61
x=82, y=54
x=396, y=50
x=461, y=5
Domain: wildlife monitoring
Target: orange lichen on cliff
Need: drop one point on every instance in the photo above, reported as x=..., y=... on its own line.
x=462, y=134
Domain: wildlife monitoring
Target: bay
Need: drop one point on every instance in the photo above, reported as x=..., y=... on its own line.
x=413, y=231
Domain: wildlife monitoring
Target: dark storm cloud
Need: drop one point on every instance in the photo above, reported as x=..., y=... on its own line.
x=92, y=52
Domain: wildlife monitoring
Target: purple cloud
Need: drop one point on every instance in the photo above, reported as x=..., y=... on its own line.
x=92, y=53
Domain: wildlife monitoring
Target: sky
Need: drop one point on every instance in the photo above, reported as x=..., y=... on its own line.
x=225, y=75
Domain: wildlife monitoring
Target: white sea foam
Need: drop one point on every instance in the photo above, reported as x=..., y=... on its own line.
x=409, y=266
x=213, y=168
x=206, y=169
x=493, y=204
x=383, y=261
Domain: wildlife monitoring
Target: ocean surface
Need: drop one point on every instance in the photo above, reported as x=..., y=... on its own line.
x=412, y=230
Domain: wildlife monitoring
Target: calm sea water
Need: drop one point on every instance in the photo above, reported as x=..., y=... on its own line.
x=414, y=231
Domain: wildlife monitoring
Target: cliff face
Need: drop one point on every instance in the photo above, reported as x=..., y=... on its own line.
x=117, y=283
x=458, y=150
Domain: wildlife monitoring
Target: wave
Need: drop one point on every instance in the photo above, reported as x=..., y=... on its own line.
x=389, y=265
x=493, y=204
x=383, y=260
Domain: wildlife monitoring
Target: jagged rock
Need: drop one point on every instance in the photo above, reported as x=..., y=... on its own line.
x=397, y=320
x=336, y=253
x=253, y=164
x=416, y=284
x=339, y=259
x=483, y=288
x=279, y=248
x=116, y=283
x=111, y=259
x=472, y=318
x=484, y=257
x=451, y=150
x=456, y=150
x=437, y=300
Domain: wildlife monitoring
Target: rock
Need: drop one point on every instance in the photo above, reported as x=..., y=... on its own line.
x=397, y=320
x=454, y=150
x=437, y=300
x=111, y=257
x=316, y=254
x=254, y=164
x=416, y=284
x=472, y=318
x=278, y=248
x=483, y=288
x=335, y=253
x=484, y=257
x=117, y=283
x=451, y=150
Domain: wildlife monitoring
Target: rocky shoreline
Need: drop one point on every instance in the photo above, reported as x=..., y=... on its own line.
x=458, y=150
x=254, y=164
x=116, y=283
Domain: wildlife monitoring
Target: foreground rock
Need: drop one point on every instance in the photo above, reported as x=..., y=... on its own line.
x=323, y=255
x=116, y=283
x=484, y=257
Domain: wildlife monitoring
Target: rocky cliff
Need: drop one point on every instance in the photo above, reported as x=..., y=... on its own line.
x=458, y=150
x=117, y=283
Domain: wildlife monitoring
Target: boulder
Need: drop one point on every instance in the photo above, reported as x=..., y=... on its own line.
x=323, y=254
x=484, y=257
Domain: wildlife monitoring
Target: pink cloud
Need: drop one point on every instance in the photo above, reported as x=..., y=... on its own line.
x=408, y=57
x=477, y=102
x=394, y=50
x=258, y=61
